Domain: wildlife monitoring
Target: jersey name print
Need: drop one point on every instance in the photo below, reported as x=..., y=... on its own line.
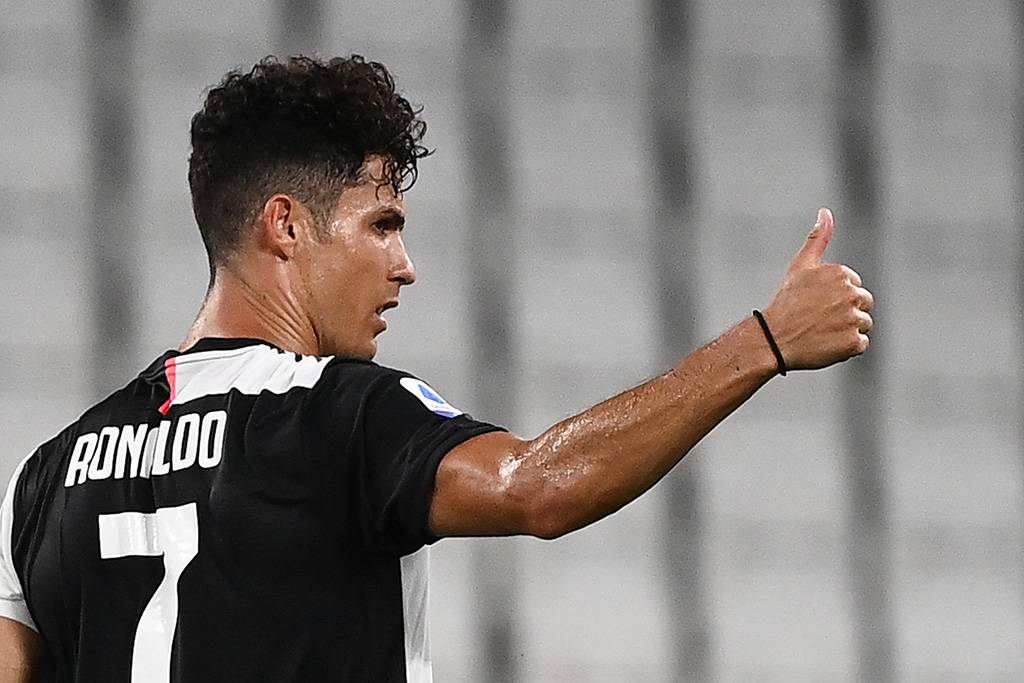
x=235, y=513
x=148, y=450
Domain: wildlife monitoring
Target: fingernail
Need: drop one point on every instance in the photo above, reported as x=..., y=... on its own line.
x=817, y=222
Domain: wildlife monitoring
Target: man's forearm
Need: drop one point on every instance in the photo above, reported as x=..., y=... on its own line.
x=592, y=464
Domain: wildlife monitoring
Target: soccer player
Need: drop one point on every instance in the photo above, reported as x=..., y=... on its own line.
x=252, y=507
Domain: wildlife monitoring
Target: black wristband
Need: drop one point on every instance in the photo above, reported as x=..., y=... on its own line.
x=771, y=342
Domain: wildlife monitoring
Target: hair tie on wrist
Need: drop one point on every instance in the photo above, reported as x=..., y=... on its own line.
x=771, y=342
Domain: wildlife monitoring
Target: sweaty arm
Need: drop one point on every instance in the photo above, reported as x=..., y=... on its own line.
x=592, y=464
x=20, y=647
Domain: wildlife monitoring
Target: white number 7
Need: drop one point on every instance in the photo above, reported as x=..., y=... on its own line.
x=172, y=533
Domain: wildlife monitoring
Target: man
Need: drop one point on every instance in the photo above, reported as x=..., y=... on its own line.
x=251, y=506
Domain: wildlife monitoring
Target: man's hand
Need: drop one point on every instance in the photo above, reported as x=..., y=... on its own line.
x=820, y=315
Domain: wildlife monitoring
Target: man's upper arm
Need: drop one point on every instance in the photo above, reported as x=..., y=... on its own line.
x=19, y=651
x=12, y=596
x=473, y=490
x=20, y=645
x=394, y=430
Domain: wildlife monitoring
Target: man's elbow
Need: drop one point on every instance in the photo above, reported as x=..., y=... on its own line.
x=550, y=506
x=539, y=510
x=548, y=529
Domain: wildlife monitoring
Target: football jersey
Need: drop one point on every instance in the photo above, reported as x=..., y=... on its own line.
x=235, y=513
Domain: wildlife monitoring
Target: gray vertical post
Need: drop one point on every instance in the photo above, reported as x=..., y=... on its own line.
x=491, y=243
x=674, y=241
x=300, y=26
x=859, y=170
x=1018, y=16
x=113, y=192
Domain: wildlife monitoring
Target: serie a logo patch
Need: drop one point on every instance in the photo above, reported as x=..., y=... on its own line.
x=428, y=397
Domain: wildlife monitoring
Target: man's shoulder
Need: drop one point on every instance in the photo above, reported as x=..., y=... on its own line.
x=400, y=392
x=350, y=384
x=136, y=398
x=349, y=368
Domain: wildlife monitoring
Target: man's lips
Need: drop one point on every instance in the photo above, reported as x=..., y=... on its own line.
x=388, y=305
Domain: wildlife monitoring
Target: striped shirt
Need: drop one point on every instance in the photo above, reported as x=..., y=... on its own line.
x=235, y=513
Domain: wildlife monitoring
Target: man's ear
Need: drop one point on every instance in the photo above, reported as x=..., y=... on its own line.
x=281, y=223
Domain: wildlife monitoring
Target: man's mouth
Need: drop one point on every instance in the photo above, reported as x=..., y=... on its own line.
x=386, y=306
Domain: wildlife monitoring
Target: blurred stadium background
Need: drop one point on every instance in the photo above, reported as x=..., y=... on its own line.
x=614, y=184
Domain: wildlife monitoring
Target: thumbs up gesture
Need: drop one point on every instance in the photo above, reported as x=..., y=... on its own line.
x=820, y=314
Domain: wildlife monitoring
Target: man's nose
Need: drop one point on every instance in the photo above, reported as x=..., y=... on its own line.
x=405, y=271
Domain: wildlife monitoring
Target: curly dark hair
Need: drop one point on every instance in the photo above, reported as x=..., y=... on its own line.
x=302, y=127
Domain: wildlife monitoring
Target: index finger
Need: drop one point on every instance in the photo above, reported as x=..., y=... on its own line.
x=852, y=276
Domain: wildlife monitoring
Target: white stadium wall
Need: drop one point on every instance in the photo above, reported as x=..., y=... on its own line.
x=774, y=480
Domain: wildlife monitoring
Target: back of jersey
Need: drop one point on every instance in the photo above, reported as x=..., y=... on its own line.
x=230, y=515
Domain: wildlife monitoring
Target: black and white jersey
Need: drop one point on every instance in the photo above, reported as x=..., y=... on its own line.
x=236, y=513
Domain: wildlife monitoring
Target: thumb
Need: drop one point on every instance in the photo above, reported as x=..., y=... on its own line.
x=814, y=248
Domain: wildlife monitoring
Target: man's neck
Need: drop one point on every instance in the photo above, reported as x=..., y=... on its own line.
x=235, y=308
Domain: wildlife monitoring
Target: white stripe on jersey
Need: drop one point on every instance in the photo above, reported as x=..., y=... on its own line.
x=12, y=596
x=415, y=569
x=250, y=370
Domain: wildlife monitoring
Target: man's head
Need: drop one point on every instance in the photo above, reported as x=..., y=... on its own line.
x=304, y=163
x=301, y=127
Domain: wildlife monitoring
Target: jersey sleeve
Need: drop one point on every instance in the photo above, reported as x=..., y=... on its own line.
x=394, y=432
x=12, y=596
